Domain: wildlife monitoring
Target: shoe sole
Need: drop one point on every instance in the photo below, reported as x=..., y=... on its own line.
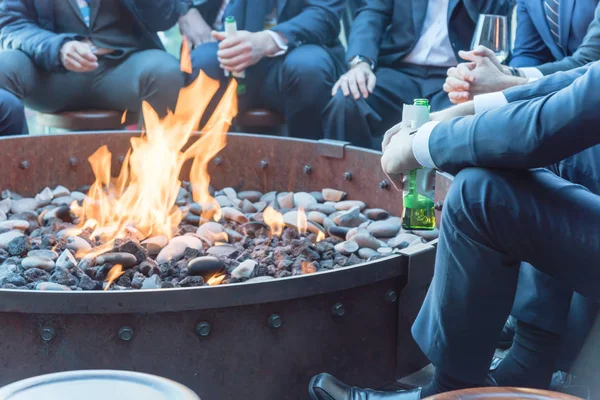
x=311, y=391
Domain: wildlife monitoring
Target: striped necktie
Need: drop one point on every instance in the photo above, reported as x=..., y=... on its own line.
x=84, y=7
x=551, y=8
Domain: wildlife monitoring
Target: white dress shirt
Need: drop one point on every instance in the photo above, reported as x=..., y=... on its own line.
x=433, y=47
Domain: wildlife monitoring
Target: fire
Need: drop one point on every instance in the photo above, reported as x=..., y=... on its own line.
x=302, y=222
x=216, y=280
x=124, y=117
x=141, y=199
x=114, y=274
x=274, y=219
x=185, y=56
x=320, y=236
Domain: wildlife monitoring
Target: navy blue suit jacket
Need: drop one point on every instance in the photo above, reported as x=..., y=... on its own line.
x=535, y=45
x=387, y=30
x=28, y=25
x=546, y=121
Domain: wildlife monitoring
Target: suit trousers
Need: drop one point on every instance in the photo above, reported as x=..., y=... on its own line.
x=363, y=122
x=150, y=75
x=297, y=84
x=12, y=115
x=492, y=221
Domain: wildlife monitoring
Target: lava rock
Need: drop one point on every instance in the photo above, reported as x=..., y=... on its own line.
x=77, y=243
x=333, y=195
x=154, y=282
x=37, y=262
x=386, y=228
x=132, y=247
x=63, y=277
x=66, y=260
x=348, y=204
x=126, y=260
x=19, y=246
x=250, y=195
x=244, y=270
x=205, y=266
x=192, y=281
x=50, y=286
x=138, y=280
x=7, y=237
x=14, y=224
x=376, y=214
x=19, y=206
x=13, y=278
x=86, y=283
x=167, y=285
x=36, y=274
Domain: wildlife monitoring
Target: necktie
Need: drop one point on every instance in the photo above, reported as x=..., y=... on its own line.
x=551, y=8
x=84, y=7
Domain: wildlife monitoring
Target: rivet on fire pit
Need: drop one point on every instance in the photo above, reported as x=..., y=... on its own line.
x=125, y=333
x=347, y=176
x=47, y=333
x=338, y=310
x=438, y=206
x=391, y=296
x=203, y=329
x=307, y=169
x=275, y=321
x=264, y=164
x=24, y=164
x=384, y=185
x=73, y=161
x=218, y=160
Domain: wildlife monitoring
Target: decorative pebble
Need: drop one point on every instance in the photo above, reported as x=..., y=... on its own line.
x=333, y=195
x=386, y=251
x=230, y=193
x=318, y=196
x=233, y=235
x=155, y=244
x=205, y=266
x=224, y=201
x=44, y=197
x=364, y=239
x=211, y=232
x=427, y=234
x=348, y=204
x=251, y=195
x=404, y=240
x=60, y=191
x=258, y=279
x=316, y=216
x=172, y=251
x=78, y=196
x=2, y=216
x=61, y=212
x=346, y=248
x=268, y=197
x=196, y=208
x=222, y=251
x=367, y=253
x=49, y=286
x=27, y=204
x=231, y=214
x=376, y=214
x=247, y=207
x=338, y=231
x=14, y=224
x=63, y=200
x=37, y=262
x=322, y=208
x=5, y=238
x=350, y=219
x=303, y=199
x=77, y=243
x=188, y=241
x=285, y=200
x=52, y=255
x=66, y=260
x=386, y=228
x=244, y=270
x=126, y=260
x=260, y=206
x=5, y=205
x=154, y=282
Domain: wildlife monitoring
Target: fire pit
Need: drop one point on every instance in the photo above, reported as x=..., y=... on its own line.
x=200, y=305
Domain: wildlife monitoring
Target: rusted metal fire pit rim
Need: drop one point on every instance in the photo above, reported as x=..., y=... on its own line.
x=198, y=298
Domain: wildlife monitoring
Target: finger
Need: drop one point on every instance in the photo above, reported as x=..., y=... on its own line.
x=219, y=36
x=85, y=51
x=457, y=85
x=361, y=81
x=232, y=52
x=459, y=97
x=81, y=62
x=230, y=42
x=464, y=71
x=452, y=72
x=234, y=61
x=468, y=55
x=73, y=65
x=371, y=82
x=335, y=89
x=354, y=88
x=483, y=51
x=345, y=87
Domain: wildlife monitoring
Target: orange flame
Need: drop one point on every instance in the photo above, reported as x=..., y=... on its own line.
x=124, y=117
x=114, y=274
x=143, y=195
x=308, y=268
x=274, y=219
x=320, y=236
x=302, y=221
x=216, y=280
x=185, y=56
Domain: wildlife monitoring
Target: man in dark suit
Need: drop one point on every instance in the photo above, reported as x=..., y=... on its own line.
x=12, y=115
x=95, y=54
x=289, y=51
x=399, y=50
x=552, y=36
x=503, y=208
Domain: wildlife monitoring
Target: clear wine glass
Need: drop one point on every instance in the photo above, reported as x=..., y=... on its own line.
x=492, y=32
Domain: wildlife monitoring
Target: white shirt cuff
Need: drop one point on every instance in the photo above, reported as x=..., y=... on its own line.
x=531, y=73
x=489, y=101
x=283, y=48
x=421, y=144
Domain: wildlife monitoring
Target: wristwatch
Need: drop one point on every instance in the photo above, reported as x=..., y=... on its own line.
x=358, y=59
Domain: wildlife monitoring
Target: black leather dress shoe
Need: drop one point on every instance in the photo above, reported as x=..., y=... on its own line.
x=326, y=387
x=508, y=333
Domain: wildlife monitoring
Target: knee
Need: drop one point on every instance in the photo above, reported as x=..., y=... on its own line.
x=341, y=105
x=309, y=70
x=204, y=58
x=12, y=105
x=164, y=71
x=15, y=64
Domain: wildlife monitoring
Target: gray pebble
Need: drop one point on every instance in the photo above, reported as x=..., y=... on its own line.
x=250, y=195
x=386, y=251
x=79, y=196
x=224, y=201
x=364, y=239
x=268, y=197
x=333, y=195
x=50, y=286
x=376, y=214
x=63, y=200
x=244, y=270
x=322, y=208
x=367, y=253
x=386, y=228
x=5, y=238
x=205, y=266
x=5, y=205
x=265, y=278
x=247, y=207
x=188, y=241
x=350, y=219
x=3, y=216
x=155, y=244
x=260, y=206
x=211, y=232
x=316, y=216
x=37, y=262
x=126, y=260
x=318, y=196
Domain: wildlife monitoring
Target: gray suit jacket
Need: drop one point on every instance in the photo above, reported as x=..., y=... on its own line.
x=545, y=122
x=587, y=52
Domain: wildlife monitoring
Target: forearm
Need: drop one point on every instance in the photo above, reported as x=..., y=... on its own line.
x=157, y=15
x=368, y=28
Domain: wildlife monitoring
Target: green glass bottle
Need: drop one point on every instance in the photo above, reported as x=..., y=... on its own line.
x=419, y=213
x=231, y=30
